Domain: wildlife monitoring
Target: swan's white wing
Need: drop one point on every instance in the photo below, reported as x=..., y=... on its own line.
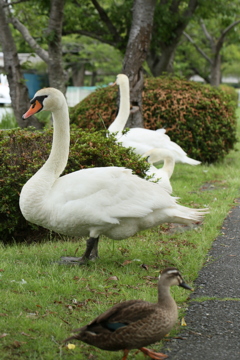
x=101, y=195
x=108, y=201
x=143, y=140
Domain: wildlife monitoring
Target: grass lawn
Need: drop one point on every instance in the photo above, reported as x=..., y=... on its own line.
x=41, y=301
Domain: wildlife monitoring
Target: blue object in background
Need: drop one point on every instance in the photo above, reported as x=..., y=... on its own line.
x=34, y=82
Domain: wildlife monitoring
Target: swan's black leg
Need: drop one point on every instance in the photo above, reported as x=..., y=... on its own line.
x=91, y=252
x=94, y=252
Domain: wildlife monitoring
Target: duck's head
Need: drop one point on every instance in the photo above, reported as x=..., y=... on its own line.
x=49, y=99
x=171, y=276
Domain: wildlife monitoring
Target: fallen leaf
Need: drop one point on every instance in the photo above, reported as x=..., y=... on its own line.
x=126, y=262
x=183, y=322
x=32, y=314
x=23, y=333
x=70, y=346
x=112, y=278
x=17, y=344
x=76, y=250
x=144, y=266
x=3, y=335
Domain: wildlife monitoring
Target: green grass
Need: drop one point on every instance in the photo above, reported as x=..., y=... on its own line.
x=41, y=301
x=8, y=121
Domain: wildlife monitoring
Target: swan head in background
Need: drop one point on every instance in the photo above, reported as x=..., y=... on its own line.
x=161, y=175
x=157, y=155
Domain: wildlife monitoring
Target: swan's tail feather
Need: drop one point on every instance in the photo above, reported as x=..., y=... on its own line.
x=185, y=215
x=191, y=161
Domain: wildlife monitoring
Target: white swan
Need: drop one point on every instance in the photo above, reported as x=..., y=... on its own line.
x=162, y=175
x=90, y=202
x=141, y=139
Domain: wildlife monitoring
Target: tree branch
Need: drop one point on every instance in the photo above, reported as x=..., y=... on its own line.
x=208, y=36
x=191, y=8
x=104, y=17
x=199, y=73
x=224, y=33
x=14, y=3
x=89, y=34
x=197, y=47
x=43, y=54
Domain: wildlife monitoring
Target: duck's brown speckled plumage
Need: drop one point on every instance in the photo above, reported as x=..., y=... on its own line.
x=134, y=324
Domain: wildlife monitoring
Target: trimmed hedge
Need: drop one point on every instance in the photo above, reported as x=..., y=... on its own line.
x=200, y=118
x=23, y=152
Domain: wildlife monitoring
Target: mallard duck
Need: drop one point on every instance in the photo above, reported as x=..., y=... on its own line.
x=142, y=140
x=134, y=324
x=162, y=175
x=90, y=202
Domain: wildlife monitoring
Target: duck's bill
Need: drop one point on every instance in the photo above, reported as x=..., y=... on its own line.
x=185, y=286
x=34, y=108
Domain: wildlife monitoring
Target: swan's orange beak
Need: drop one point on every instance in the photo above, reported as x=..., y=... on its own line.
x=34, y=108
x=113, y=84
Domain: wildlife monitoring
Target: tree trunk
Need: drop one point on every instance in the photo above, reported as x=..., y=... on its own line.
x=93, y=78
x=52, y=57
x=159, y=64
x=215, y=46
x=18, y=89
x=136, y=52
x=56, y=73
x=215, y=78
x=78, y=72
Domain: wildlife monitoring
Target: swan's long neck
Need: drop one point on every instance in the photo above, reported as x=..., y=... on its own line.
x=169, y=165
x=58, y=157
x=35, y=193
x=124, y=109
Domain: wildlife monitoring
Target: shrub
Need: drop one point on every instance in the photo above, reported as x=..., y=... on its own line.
x=231, y=92
x=23, y=152
x=200, y=118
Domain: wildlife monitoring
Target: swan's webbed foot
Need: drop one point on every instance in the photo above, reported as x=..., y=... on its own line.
x=70, y=260
x=91, y=253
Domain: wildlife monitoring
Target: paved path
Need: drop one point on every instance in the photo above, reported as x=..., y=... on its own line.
x=213, y=324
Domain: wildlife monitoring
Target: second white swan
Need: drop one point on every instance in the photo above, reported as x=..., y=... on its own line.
x=142, y=140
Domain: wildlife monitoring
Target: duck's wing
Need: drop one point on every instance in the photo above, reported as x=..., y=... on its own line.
x=120, y=315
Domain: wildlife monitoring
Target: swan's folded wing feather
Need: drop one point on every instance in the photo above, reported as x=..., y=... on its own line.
x=113, y=189
x=146, y=139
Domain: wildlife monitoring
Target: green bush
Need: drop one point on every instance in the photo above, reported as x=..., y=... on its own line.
x=23, y=152
x=200, y=118
x=231, y=92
